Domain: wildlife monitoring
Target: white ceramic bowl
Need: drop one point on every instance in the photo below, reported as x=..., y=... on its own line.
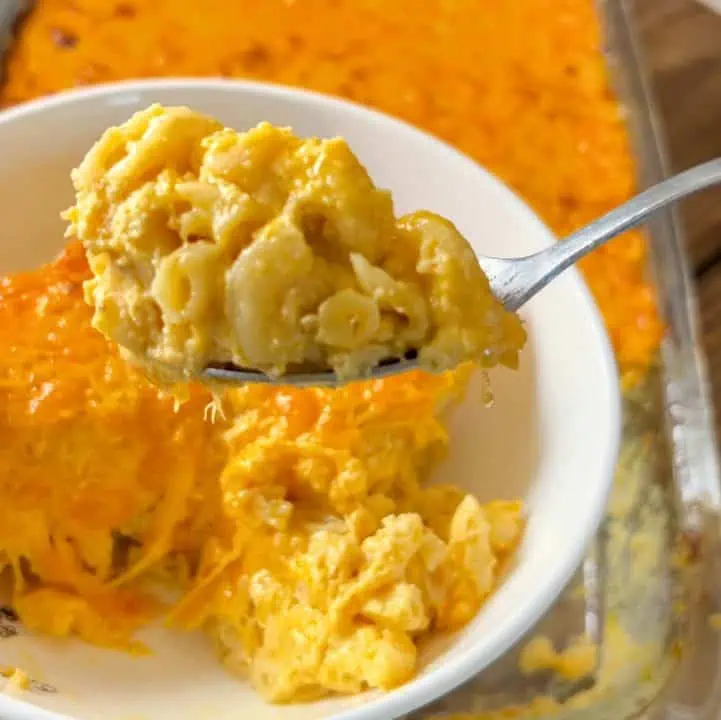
x=551, y=438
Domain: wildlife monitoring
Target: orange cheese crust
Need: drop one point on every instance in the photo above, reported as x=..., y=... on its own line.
x=91, y=451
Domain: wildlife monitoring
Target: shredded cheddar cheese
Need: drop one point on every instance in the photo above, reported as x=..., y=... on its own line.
x=91, y=451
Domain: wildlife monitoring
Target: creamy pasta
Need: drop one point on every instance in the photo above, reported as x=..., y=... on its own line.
x=270, y=252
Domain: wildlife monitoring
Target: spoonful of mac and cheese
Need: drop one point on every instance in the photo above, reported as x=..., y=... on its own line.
x=261, y=256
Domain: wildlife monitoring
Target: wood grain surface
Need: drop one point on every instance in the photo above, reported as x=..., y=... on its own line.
x=682, y=41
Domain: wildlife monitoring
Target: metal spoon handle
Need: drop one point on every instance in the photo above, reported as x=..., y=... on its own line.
x=516, y=285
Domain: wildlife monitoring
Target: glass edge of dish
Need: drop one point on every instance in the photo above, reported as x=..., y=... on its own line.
x=11, y=14
x=684, y=384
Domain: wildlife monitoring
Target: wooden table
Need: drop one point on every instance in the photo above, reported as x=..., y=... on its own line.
x=682, y=40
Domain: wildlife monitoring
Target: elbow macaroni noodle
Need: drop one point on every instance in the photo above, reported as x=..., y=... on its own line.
x=270, y=252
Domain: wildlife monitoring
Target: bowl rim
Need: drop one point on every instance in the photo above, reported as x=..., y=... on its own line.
x=429, y=686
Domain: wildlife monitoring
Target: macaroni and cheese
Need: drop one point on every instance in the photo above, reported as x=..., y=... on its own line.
x=296, y=531
x=270, y=252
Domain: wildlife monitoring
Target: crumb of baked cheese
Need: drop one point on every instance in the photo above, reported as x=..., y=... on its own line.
x=17, y=680
x=575, y=662
x=270, y=252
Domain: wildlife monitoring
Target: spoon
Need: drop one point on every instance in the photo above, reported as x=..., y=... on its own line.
x=515, y=281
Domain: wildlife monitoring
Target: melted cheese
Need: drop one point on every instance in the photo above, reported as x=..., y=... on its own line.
x=91, y=452
x=294, y=528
